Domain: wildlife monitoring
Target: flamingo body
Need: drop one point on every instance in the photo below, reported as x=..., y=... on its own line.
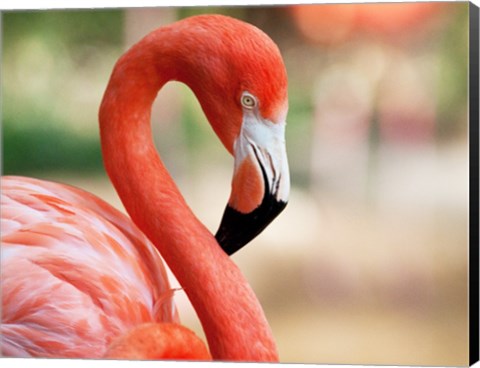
x=74, y=269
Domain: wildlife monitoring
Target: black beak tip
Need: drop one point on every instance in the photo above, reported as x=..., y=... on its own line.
x=238, y=229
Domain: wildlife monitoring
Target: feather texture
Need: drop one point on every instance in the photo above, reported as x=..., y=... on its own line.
x=65, y=245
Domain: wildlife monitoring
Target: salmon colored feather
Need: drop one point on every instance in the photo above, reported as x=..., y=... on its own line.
x=80, y=279
x=74, y=270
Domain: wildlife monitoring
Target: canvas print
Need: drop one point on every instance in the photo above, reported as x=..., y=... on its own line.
x=252, y=183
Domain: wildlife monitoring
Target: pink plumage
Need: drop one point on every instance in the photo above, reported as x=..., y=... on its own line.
x=61, y=243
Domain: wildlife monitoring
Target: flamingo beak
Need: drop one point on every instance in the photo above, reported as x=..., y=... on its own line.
x=260, y=185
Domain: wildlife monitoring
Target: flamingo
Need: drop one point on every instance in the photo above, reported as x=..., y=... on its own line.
x=81, y=279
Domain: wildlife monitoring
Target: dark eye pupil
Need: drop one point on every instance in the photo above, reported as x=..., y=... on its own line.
x=248, y=101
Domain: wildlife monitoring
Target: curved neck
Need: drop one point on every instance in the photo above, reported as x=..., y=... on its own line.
x=232, y=318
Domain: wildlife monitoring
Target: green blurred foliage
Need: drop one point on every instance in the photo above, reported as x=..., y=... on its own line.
x=34, y=140
x=233, y=11
x=452, y=76
x=35, y=136
x=72, y=28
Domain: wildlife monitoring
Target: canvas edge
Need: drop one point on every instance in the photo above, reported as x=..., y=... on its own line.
x=474, y=183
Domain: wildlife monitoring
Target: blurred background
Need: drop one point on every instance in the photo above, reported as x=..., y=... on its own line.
x=368, y=263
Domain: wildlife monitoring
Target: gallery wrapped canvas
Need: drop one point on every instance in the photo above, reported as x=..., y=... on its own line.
x=284, y=183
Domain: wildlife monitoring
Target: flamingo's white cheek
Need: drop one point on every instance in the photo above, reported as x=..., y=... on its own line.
x=265, y=141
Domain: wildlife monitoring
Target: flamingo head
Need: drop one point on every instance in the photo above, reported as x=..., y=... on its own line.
x=238, y=75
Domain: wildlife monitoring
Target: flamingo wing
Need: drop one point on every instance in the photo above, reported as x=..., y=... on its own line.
x=76, y=273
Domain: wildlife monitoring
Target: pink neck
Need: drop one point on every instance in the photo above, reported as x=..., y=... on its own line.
x=229, y=311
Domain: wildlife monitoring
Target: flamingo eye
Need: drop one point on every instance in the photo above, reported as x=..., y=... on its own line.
x=248, y=101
